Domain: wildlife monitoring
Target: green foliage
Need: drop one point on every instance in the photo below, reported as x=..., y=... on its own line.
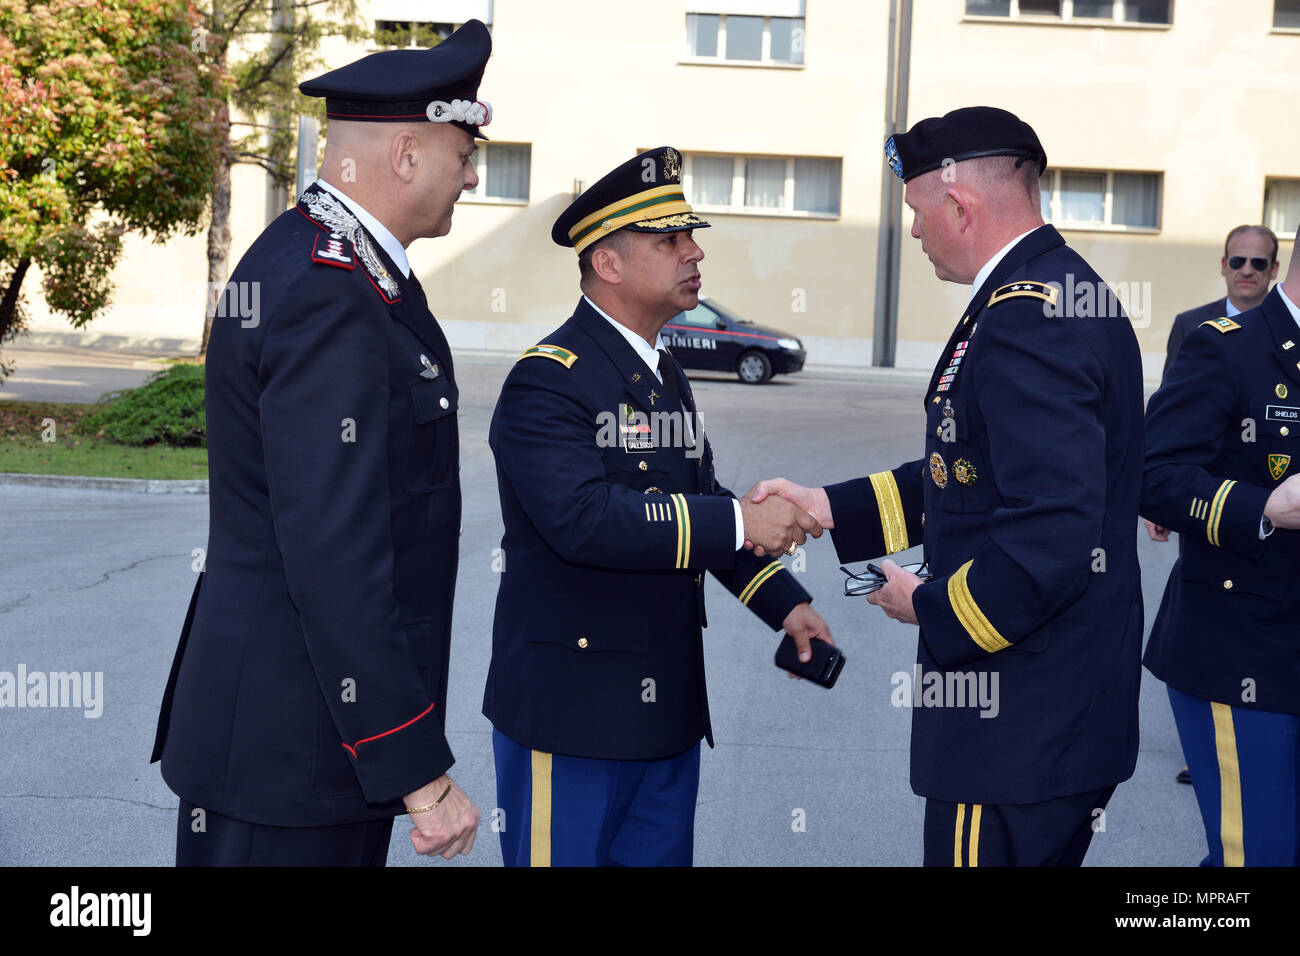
x=106, y=125
x=166, y=409
x=277, y=43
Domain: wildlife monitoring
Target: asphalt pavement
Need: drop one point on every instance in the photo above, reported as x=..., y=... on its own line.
x=98, y=582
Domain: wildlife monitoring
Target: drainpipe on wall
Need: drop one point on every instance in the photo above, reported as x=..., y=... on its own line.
x=884, y=344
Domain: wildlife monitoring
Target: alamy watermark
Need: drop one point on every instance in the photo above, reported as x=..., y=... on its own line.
x=82, y=690
x=924, y=688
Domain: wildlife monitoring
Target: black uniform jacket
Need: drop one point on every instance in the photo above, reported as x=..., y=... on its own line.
x=309, y=687
x=1222, y=433
x=1184, y=322
x=1027, y=497
x=610, y=522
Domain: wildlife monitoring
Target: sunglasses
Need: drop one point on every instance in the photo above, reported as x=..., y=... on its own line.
x=1258, y=263
x=859, y=584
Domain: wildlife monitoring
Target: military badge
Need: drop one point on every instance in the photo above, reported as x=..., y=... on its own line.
x=672, y=166
x=947, y=409
x=1288, y=344
x=891, y=157
x=964, y=472
x=938, y=470
x=1277, y=465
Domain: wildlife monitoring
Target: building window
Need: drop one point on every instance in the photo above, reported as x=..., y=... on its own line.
x=775, y=185
x=1087, y=11
x=503, y=172
x=1286, y=14
x=736, y=38
x=1101, y=199
x=1282, y=206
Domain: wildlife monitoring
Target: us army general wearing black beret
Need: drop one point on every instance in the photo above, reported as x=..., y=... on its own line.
x=439, y=84
x=967, y=133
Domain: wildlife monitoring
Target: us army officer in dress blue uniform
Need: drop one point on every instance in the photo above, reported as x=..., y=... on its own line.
x=1222, y=451
x=612, y=515
x=1026, y=504
x=307, y=699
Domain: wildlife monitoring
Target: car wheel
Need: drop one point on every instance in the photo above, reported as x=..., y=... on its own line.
x=754, y=368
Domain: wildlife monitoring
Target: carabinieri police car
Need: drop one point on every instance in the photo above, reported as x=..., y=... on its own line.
x=711, y=337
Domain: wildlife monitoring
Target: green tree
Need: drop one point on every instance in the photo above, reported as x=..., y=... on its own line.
x=105, y=126
x=268, y=46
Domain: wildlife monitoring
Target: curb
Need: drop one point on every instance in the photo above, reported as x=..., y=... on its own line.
x=139, y=486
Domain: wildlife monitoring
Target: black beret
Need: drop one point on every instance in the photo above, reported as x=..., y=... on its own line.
x=967, y=133
x=643, y=195
x=439, y=84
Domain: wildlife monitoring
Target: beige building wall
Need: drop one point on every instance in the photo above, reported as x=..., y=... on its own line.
x=1206, y=102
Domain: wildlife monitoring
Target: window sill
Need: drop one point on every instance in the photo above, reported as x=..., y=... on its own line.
x=1102, y=227
x=764, y=213
x=491, y=201
x=745, y=64
x=1058, y=22
x=1286, y=31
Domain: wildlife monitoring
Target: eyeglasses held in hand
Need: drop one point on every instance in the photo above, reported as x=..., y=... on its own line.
x=859, y=584
x=1258, y=263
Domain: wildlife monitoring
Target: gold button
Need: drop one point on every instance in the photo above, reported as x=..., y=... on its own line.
x=1227, y=585
x=582, y=642
x=938, y=431
x=642, y=465
x=1285, y=430
x=922, y=519
x=1280, y=390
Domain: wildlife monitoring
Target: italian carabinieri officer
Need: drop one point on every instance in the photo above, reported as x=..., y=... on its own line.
x=307, y=699
x=1025, y=501
x=1223, y=437
x=612, y=515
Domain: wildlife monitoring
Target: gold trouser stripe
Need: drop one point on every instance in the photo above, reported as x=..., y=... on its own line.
x=683, y=531
x=540, y=827
x=1216, y=512
x=969, y=615
x=973, y=854
x=1230, y=824
x=890, y=505
x=750, y=589
x=956, y=835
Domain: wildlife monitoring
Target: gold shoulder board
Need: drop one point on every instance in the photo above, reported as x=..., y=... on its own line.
x=1025, y=289
x=561, y=355
x=1223, y=325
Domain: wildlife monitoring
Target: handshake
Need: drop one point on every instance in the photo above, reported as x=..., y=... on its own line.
x=779, y=515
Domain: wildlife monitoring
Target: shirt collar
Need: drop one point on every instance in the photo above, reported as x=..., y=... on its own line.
x=387, y=241
x=1229, y=310
x=649, y=355
x=982, y=276
x=1291, y=306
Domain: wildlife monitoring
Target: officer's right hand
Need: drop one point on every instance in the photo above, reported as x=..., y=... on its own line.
x=776, y=524
x=1283, y=505
x=812, y=500
x=448, y=829
x=1155, y=532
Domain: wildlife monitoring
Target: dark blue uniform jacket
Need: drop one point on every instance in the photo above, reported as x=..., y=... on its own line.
x=1026, y=503
x=309, y=687
x=596, y=644
x=1222, y=433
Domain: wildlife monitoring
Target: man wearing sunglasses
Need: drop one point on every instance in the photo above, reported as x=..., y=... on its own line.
x=1248, y=266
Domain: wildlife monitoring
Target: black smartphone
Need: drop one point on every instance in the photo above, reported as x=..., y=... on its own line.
x=824, y=668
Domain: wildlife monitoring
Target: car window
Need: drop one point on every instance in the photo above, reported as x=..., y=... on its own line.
x=701, y=316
